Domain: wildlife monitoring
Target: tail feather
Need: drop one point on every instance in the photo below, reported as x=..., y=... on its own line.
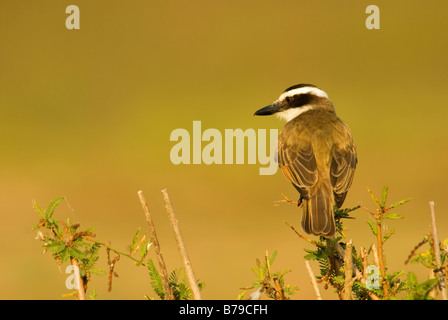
x=318, y=216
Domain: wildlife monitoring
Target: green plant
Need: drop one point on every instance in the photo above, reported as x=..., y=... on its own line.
x=270, y=283
x=359, y=279
x=67, y=243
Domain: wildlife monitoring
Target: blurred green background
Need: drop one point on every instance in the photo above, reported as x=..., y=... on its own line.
x=88, y=114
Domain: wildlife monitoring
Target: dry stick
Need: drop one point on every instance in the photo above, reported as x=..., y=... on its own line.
x=182, y=250
x=379, y=237
x=313, y=280
x=375, y=256
x=303, y=237
x=348, y=260
x=364, y=260
x=152, y=230
x=437, y=250
x=78, y=281
x=363, y=275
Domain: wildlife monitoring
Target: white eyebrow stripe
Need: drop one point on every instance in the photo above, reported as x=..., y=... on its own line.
x=293, y=92
x=290, y=114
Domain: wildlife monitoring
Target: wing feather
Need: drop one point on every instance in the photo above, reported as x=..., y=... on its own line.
x=299, y=165
x=342, y=170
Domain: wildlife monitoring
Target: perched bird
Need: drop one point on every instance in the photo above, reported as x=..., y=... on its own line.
x=316, y=153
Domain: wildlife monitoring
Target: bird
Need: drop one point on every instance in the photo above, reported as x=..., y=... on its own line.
x=316, y=153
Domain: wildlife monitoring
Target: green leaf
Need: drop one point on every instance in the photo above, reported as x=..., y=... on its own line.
x=93, y=294
x=97, y=272
x=310, y=256
x=90, y=230
x=65, y=255
x=378, y=203
x=388, y=235
x=399, y=203
x=383, y=204
x=39, y=210
x=258, y=272
x=55, y=247
x=419, y=291
x=372, y=227
x=411, y=280
x=76, y=253
x=143, y=250
x=52, y=206
x=272, y=257
x=134, y=240
x=241, y=296
x=156, y=280
x=393, y=216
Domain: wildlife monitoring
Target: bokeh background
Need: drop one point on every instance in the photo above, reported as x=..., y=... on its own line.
x=88, y=113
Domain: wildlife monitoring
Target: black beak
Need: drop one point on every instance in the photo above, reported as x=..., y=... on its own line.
x=266, y=111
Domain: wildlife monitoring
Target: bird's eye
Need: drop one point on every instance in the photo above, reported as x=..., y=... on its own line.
x=288, y=99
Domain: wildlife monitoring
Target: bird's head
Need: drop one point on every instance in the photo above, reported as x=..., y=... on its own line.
x=296, y=100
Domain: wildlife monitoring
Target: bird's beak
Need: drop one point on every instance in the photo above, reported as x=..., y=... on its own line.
x=266, y=111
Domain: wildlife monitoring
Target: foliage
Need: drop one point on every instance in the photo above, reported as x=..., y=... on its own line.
x=67, y=244
x=360, y=279
x=370, y=280
x=269, y=283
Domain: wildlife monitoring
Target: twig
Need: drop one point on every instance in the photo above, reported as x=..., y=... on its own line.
x=375, y=255
x=78, y=281
x=361, y=276
x=279, y=293
x=379, y=236
x=364, y=260
x=348, y=260
x=105, y=245
x=437, y=250
x=285, y=199
x=313, y=280
x=301, y=236
x=425, y=239
x=111, y=268
x=181, y=246
x=152, y=230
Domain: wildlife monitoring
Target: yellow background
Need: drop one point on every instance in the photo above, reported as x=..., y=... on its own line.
x=88, y=113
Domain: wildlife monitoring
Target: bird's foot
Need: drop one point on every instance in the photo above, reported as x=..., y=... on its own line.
x=299, y=202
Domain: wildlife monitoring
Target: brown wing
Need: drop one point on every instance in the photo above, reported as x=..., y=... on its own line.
x=342, y=169
x=298, y=165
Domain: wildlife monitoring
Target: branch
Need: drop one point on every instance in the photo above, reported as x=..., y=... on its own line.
x=313, y=280
x=152, y=230
x=79, y=281
x=379, y=236
x=181, y=246
x=285, y=199
x=105, y=245
x=437, y=250
x=348, y=266
x=301, y=236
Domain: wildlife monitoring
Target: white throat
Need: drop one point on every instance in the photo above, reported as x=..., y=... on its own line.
x=292, y=113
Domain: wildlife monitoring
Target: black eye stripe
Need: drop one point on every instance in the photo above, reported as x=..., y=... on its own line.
x=300, y=100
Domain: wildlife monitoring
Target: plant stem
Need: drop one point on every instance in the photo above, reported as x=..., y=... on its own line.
x=160, y=260
x=313, y=280
x=181, y=246
x=79, y=281
x=379, y=237
x=348, y=260
x=437, y=250
x=114, y=250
